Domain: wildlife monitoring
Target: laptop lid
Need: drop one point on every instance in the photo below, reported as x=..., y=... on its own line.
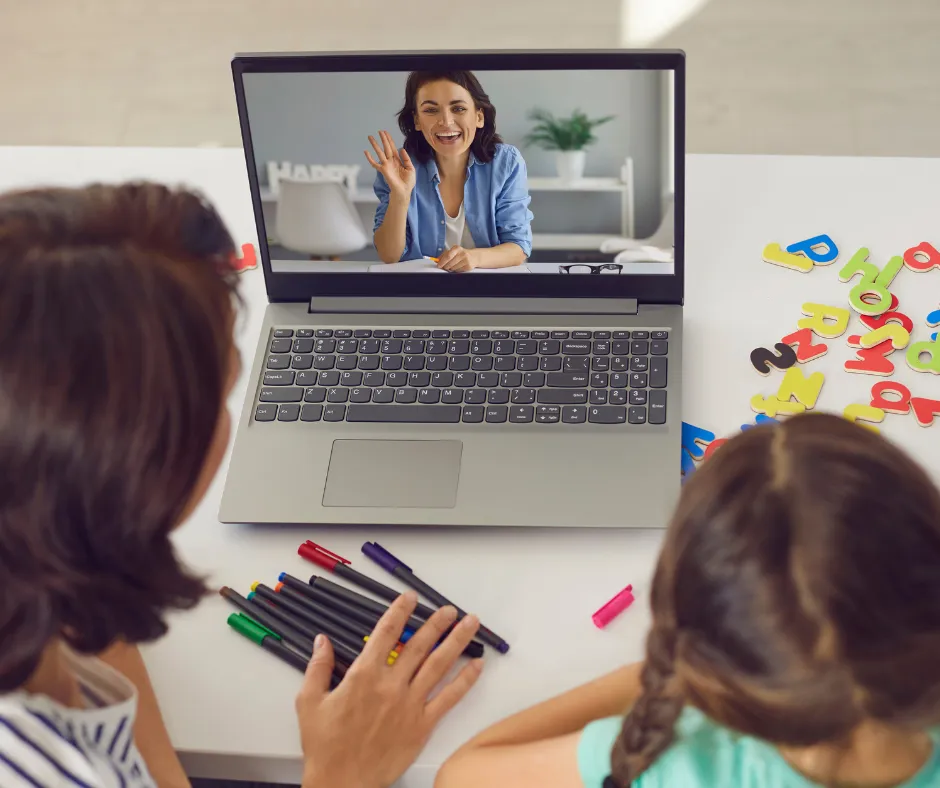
x=570, y=155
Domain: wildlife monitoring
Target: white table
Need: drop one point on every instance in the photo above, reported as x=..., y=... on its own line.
x=229, y=706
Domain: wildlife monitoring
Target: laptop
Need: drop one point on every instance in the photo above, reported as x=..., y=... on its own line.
x=474, y=267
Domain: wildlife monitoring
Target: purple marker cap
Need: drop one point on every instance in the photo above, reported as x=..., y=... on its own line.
x=383, y=557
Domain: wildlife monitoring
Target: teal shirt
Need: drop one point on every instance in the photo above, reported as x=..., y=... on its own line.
x=706, y=755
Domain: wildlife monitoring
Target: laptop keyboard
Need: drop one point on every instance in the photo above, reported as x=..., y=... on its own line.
x=444, y=376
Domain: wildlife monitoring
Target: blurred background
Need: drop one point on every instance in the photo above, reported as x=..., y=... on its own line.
x=831, y=77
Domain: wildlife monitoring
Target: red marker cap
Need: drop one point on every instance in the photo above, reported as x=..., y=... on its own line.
x=320, y=555
x=613, y=608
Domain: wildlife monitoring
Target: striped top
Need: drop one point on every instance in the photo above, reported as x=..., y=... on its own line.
x=44, y=744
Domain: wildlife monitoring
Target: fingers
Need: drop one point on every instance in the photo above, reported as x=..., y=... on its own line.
x=379, y=151
x=389, y=145
x=421, y=643
x=447, y=259
x=388, y=630
x=372, y=161
x=406, y=159
x=319, y=669
x=453, y=692
x=445, y=656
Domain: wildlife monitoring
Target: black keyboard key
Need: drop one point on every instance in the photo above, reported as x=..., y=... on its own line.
x=600, y=364
x=328, y=378
x=321, y=362
x=641, y=335
x=278, y=362
x=580, y=334
x=459, y=363
x=601, y=335
x=373, y=379
x=618, y=380
x=598, y=396
x=306, y=346
x=559, y=334
x=369, y=346
x=288, y=412
x=362, y=333
x=381, y=333
x=621, y=334
x=351, y=379
x=568, y=380
x=574, y=348
x=306, y=362
x=600, y=380
x=638, y=380
x=281, y=394
x=435, y=363
x=496, y=414
x=280, y=345
x=482, y=363
x=391, y=346
x=601, y=348
x=307, y=332
x=396, y=379
x=391, y=362
x=528, y=364
x=620, y=363
x=458, y=347
x=637, y=396
x=337, y=412
x=360, y=395
x=347, y=346
x=337, y=395
x=658, y=370
x=577, y=364
x=460, y=335
x=480, y=333
x=504, y=347
x=657, y=407
x=563, y=396
x=383, y=395
x=401, y=333
x=475, y=397
x=406, y=396
x=548, y=414
x=321, y=332
x=639, y=363
x=481, y=347
x=540, y=335
x=504, y=363
x=419, y=379
x=343, y=333
x=413, y=363
x=421, y=334
x=437, y=347
x=442, y=379
x=472, y=414
x=510, y=380
x=549, y=347
x=488, y=380
x=523, y=396
x=346, y=362
x=465, y=380
x=520, y=335
x=659, y=347
x=440, y=333
x=574, y=414
x=452, y=396
x=315, y=394
x=610, y=414
x=521, y=414
x=278, y=378
x=550, y=364
x=537, y=379
x=429, y=396
x=500, y=335
x=639, y=347
x=618, y=397
x=413, y=346
x=283, y=332
x=637, y=415
x=527, y=347
x=267, y=412
x=497, y=396
x=369, y=362
x=621, y=348
x=311, y=413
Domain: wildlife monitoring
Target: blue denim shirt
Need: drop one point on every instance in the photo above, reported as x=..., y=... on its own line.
x=496, y=204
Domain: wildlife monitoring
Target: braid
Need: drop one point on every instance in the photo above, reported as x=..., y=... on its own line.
x=649, y=727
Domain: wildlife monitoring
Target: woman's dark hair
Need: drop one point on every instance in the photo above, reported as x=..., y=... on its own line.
x=484, y=141
x=116, y=313
x=797, y=594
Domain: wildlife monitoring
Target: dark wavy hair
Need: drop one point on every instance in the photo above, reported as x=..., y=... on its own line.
x=116, y=313
x=484, y=141
x=797, y=594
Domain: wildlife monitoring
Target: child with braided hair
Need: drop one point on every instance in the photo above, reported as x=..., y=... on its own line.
x=795, y=638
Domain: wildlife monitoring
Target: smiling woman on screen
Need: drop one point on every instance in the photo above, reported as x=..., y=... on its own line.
x=455, y=192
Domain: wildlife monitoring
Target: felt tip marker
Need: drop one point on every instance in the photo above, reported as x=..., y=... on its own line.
x=392, y=565
x=254, y=611
x=610, y=610
x=265, y=638
x=340, y=566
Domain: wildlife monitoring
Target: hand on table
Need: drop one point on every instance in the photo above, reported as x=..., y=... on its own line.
x=395, y=165
x=457, y=260
x=369, y=730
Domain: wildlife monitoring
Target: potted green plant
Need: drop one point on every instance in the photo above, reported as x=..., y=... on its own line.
x=568, y=137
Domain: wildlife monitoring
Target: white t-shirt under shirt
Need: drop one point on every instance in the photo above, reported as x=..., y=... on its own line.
x=456, y=232
x=44, y=744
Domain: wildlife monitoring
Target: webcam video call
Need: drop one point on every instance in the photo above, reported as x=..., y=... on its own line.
x=455, y=172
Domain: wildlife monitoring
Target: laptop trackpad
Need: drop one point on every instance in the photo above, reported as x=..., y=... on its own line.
x=397, y=474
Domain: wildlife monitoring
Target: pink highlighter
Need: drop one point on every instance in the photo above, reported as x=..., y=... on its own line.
x=613, y=608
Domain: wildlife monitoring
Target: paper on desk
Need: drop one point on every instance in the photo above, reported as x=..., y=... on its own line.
x=425, y=266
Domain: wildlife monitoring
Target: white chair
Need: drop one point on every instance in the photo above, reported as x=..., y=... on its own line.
x=657, y=248
x=318, y=219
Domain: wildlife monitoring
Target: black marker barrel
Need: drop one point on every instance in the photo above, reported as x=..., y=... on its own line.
x=287, y=633
x=336, y=632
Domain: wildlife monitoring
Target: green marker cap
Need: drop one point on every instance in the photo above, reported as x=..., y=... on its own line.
x=250, y=628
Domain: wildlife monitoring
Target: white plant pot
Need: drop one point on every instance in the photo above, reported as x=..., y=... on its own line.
x=570, y=164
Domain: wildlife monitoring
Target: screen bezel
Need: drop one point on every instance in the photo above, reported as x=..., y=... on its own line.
x=659, y=289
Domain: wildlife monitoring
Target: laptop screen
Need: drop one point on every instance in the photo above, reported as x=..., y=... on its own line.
x=552, y=173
